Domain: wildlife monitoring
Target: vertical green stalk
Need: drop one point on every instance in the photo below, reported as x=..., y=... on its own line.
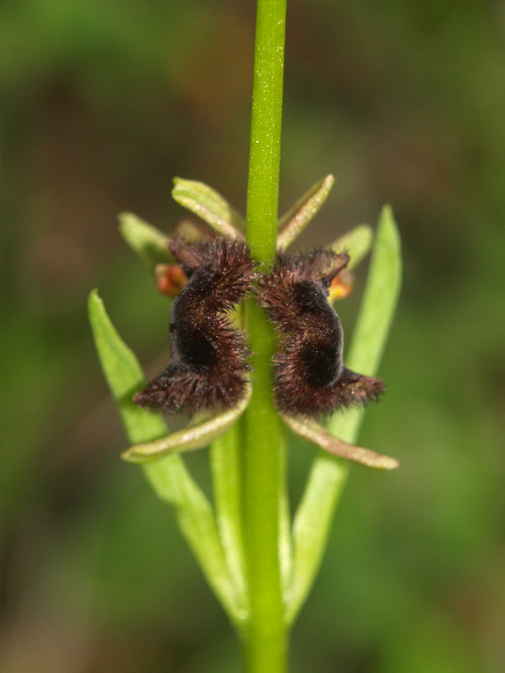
x=266, y=121
x=264, y=443
x=225, y=460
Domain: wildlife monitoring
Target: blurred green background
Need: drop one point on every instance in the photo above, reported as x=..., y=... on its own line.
x=104, y=101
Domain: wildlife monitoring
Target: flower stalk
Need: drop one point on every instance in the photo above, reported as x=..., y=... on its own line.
x=264, y=438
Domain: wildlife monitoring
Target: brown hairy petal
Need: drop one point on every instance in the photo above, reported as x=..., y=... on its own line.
x=310, y=378
x=209, y=355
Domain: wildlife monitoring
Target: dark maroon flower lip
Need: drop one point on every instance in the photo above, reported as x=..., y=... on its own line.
x=309, y=374
x=208, y=365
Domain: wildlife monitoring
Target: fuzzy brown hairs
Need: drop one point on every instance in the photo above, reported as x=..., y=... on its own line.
x=309, y=374
x=208, y=353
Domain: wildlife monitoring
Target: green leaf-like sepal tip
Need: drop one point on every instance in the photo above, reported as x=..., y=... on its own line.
x=318, y=435
x=189, y=439
x=298, y=216
x=150, y=244
x=357, y=243
x=210, y=206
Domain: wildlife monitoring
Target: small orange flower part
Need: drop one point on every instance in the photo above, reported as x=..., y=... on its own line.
x=341, y=286
x=170, y=279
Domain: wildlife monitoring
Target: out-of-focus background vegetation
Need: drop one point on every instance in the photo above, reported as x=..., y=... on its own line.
x=104, y=101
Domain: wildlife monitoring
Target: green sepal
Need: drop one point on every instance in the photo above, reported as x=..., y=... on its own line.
x=357, y=243
x=210, y=206
x=190, y=438
x=294, y=221
x=150, y=244
x=316, y=434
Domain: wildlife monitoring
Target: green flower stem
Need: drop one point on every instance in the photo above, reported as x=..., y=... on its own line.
x=226, y=466
x=329, y=474
x=264, y=442
x=265, y=152
x=264, y=488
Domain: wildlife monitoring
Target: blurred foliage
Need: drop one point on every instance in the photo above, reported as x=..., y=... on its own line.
x=102, y=104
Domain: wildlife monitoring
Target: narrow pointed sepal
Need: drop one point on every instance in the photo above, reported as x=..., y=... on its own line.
x=210, y=206
x=297, y=218
x=189, y=439
x=318, y=435
x=357, y=243
x=149, y=243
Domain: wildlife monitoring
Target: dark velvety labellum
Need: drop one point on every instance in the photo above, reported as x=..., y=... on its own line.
x=310, y=378
x=208, y=354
